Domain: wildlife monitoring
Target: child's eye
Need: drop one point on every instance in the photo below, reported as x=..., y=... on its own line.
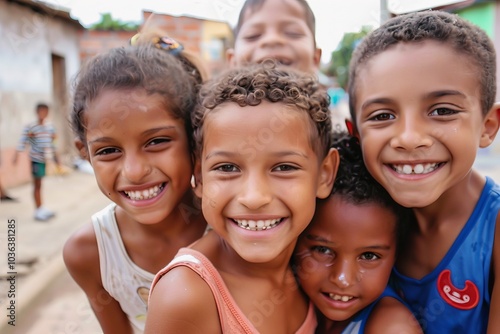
x=369, y=256
x=294, y=34
x=382, y=117
x=284, y=168
x=107, y=151
x=226, y=168
x=443, y=112
x=322, y=254
x=251, y=37
x=157, y=141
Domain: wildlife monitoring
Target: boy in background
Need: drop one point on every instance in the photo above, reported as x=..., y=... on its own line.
x=40, y=136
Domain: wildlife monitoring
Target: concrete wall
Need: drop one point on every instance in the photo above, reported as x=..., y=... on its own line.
x=30, y=42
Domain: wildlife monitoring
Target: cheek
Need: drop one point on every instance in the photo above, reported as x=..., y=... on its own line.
x=309, y=271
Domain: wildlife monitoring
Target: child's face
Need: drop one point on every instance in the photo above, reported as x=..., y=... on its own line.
x=276, y=30
x=419, y=119
x=345, y=256
x=139, y=153
x=42, y=114
x=260, y=177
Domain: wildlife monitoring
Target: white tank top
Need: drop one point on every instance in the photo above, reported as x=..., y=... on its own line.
x=123, y=279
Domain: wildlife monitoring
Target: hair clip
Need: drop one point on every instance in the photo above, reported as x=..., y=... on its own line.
x=133, y=39
x=163, y=43
x=350, y=127
x=168, y=44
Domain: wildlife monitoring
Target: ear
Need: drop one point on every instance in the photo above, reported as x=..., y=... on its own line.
x=327, y=173
x=317, y=57
x=198, y=182
x=82, y=149
x=230, y=57
x=491, y=124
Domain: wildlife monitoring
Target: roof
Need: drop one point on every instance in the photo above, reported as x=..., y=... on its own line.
x=49, y=10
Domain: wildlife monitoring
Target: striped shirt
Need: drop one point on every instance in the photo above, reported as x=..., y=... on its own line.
x=40, y=137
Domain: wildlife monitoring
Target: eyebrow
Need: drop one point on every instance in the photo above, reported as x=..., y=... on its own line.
x=431, y=95
x=145, y=133
x=323, y=240
x=233, y=154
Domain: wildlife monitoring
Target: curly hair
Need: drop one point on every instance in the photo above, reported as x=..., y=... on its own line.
x=145, y=67
x=355, y=185
x=249, y=86
x=464, y=37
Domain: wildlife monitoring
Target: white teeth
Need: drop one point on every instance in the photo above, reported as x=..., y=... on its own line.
x=416, y=169
x=144, y=194
x=407, y=169
x=257, y=225
x=339, y=297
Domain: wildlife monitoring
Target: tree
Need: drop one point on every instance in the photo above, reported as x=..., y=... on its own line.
x=339, y=63
x=108, y=23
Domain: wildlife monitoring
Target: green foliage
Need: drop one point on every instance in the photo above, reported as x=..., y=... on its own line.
x=339, y=63
x=108, y=23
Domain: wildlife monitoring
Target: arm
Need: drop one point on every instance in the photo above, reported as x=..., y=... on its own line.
x=53, y=147
x=181, y=302
x=390, y=316
x=494, y=320
x=22, y=143
x=81, y=257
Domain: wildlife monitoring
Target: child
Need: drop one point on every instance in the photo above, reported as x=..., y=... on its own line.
x=40, y=135
x=345, y=256
x=422, y=98
x=283, y=30
x=262, y=142
x=131, y=115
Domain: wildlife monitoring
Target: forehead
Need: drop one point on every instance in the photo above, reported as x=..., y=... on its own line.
x=415, y=68
x=126, y=107
x=273, y=8
x=259, y=125
x=276, y=116
x=337, y=215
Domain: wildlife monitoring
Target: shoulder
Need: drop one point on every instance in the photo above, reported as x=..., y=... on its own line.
x=391, y=316
x=80, y=252
x=181, y=301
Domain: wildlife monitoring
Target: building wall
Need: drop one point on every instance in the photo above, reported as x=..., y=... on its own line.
x=186, y=30
x=30, y=43
x=216, y=39
x=93, y=42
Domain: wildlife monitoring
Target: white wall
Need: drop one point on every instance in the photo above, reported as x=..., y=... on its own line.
x=28, y=41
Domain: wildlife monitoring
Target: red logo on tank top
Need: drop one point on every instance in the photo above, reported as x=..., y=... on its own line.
x=464, y=299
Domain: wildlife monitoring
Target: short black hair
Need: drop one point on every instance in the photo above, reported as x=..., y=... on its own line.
x=41, y=105
x=464, y=37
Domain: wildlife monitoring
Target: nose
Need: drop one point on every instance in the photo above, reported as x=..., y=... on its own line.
x=255, y=192
x=343, y=274
x=272, y=37
x=411, y=133
x=135, y=167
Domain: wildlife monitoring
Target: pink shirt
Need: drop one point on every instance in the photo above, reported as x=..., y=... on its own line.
x=232, y=319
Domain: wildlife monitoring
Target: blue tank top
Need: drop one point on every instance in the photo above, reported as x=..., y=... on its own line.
x=357, y=325
x=455, y=296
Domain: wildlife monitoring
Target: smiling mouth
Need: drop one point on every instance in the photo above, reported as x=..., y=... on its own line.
x=416, y=169
x=278, y=60
x=342, y=298
x=141, y=195
x=258, y=225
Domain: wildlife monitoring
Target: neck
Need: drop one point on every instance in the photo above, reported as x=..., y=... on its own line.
x=456, y=204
